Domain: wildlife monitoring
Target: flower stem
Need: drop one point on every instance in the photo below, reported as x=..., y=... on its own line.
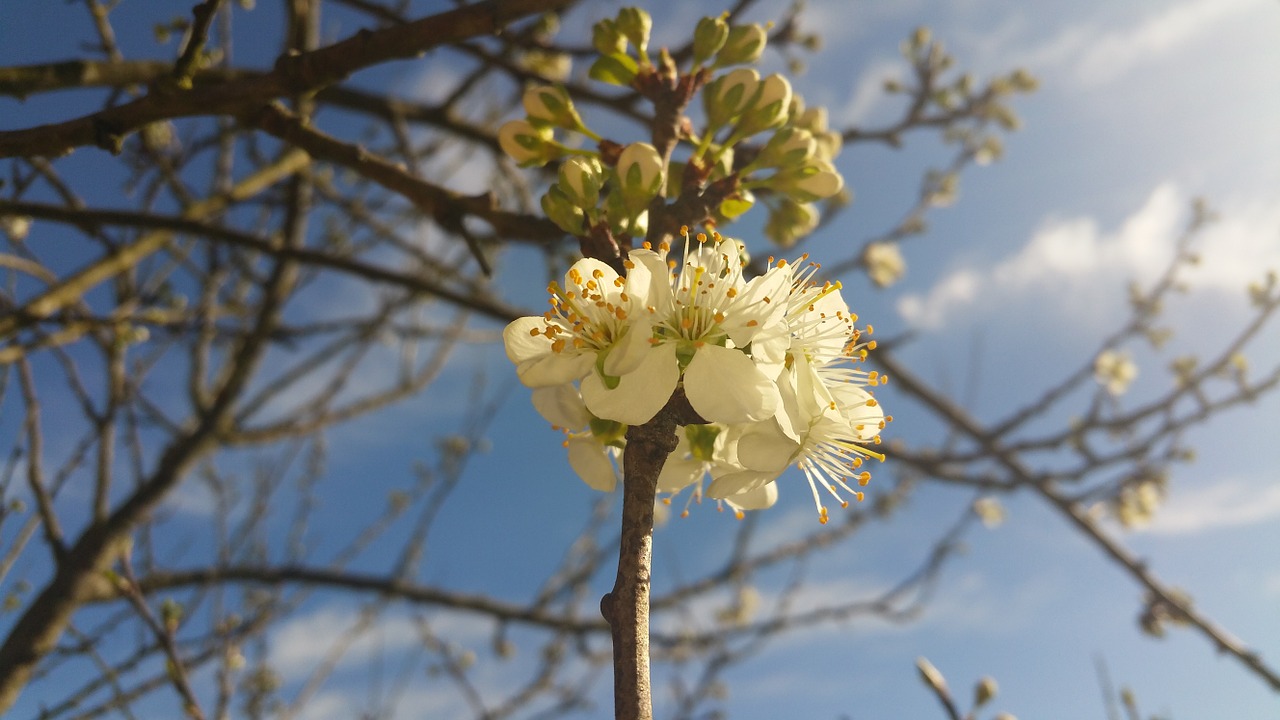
x=626, y=607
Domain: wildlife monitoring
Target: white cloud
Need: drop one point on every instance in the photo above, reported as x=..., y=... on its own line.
x=1095, y=57
x=868, y=92
x=1232, y=503
x=1075, y=258
x=1064, y=255
x=302, y=643
x=1114, y=54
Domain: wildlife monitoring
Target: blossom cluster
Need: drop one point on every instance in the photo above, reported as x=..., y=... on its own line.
x=789, y=162
x=771, y=364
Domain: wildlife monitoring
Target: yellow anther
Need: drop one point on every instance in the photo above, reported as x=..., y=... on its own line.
x=871, y=402
x=864, y=478
x=822, y=515
x=702, y=237
x=860, y=495
x=534, y=332
x=684, y=229
x=739, y=514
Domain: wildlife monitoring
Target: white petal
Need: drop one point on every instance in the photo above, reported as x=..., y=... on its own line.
x=536, y=364
x=640, y=394
x=555, y=368
x=757, y=499
x=627, y=354
x=591, y=461
x=679, y=473
x=764, y=447
x=562, y=406
x=520, y=342
x=738, y=482
x=650, y=282
x=586, y=269
x=750, y=306
x=724, y=385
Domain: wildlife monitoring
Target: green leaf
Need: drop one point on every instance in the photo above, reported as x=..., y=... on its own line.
x=615, y=69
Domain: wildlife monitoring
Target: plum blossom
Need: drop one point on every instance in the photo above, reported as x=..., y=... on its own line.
x=772, y=364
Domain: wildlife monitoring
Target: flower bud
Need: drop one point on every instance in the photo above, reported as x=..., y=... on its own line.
x=728, y=95
x=635, y=24
x=768, y=109
x=640, y=175
x=560, y=210
x=813, y=119
x=608, y=39
x=789, y=221
x=788, y=146
x=931, y=676
x=552, y=105
x=884, y=262
x=828, y=144
x=984, y=691
x=526, y=144
x=815, y=180
x=581, y=179
x=744, y=44
x=708, y=37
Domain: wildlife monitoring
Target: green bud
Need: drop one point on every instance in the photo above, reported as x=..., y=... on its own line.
x=727, y=96
x=640, y=175
x=563, y=212
x=788, y=146
x=984, y=691
x=709, y=37
x=789, y=221
x=528, y=144
x=552, y=105
x=635, y=25
x=607, y=39
x=616, y=69
x=769, y=109
x=744, y=44
x=580, y=180
x=815, y=180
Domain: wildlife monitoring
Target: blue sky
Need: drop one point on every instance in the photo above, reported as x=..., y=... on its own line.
x=1143, y=105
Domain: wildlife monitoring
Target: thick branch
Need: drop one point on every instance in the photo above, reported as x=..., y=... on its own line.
x=292, y=76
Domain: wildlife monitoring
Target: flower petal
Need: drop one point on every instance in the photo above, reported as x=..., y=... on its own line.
x=627, y=354
x=679, y=473
x=758, y=499
x=640, y=394
x=536, y=363
x=520, y=341
x=555, y=368
x=725, y=386
x=764, y=447
x=591, y=461
x=739, y=482
x=562, y=406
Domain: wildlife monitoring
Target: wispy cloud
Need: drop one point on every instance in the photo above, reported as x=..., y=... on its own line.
x=867, y=93
x=1066, y=255
x=1094, y=56
x=1232, y=503
x=302, y=642
x=1074, y=257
